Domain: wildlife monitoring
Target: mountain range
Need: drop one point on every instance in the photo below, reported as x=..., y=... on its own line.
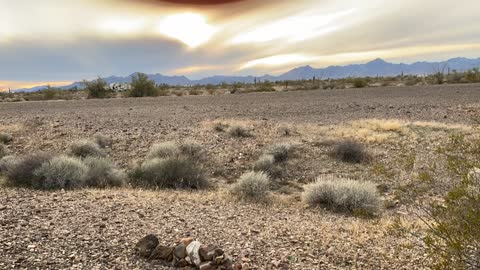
x=377, y=67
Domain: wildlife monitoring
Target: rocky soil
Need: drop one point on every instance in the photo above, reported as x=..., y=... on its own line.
x=92, y=229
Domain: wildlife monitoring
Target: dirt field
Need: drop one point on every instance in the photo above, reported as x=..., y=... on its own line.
x=97, y=229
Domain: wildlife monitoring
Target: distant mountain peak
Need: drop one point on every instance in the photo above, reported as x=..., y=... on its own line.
x=378, y=61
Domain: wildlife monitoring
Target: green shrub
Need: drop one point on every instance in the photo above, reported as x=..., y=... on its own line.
x=280, y=151
x=252, y=186
x=102, y=173
x=20, y=172
x=86, y=148
x=142, y=86
x=239, y=132
x=5, y=138
x=60, y=172
x=3, y=150
x=343, y=195
x=360, y=83
x=350, y=151
x=102, y=140
x=97, y=88
x=453, y=237
x=163, y=150
x=172, y=172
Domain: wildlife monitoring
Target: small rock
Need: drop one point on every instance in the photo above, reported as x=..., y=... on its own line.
x=181, y=263
x=146, y=245
x=180, y=251
x=192, y=251
x=207, y=266
x=207, y=252
x=162, y=253
x=186, y=241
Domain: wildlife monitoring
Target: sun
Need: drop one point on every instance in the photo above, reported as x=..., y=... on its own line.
x=190, y=28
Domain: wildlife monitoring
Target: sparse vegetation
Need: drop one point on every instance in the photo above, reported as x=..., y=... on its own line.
x=343, y=195
x=102, y=140
x=97, y=88
x=5, y=138
x=6, y=163
x=171, y=172
x=3, y=150
x=102, y=173
x=20, y=172
x=60, y=172
x=264, y=164
x=86, y=148
x=252, y=186
x=163, y=150
x=239, y=131
x=220, y=127
x=191, y=149
x=280, y=151
x=360, y=83
x=350, y=151
x=142, y=86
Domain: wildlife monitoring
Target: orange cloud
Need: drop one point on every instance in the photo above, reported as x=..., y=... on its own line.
x=5, y=85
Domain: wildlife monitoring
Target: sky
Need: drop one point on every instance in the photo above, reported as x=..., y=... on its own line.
x=56, y=41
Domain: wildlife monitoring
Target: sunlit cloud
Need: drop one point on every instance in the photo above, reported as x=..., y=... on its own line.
x=6, y=85
x=190, y=28
x=277, y=60
x=122, y=25
x=294, y=28
x=194, y=69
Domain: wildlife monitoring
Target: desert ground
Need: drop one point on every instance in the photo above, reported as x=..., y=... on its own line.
x=97, y=229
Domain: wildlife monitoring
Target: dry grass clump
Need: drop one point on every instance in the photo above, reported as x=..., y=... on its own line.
x=350, y=151
x=61, y=172
x=5, y=138
x=191, y=149
x=280, y=151
x=20, y=172
x=343, y=195
x=102, y=173
x=3, y=150
x=265, y=163
x=102, y=140
x=163, y=150
x=7, y=162
x=172, y=172
x=220, y=126
x=86, y=148
x=252, y=186
x=238, y=131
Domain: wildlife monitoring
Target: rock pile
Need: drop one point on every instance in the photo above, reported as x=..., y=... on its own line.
x=187, y=252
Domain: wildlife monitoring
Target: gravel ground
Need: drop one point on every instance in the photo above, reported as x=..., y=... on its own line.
x=94, y=229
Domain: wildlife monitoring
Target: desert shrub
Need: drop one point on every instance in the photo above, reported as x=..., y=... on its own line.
x=163, y=150
x=453, y=238
x=279, y=151
x=350, y=151
x=191, y=149
x=264, y=164
x=3, y=150
x=5, y=138
x=102, y=173
x=86, y=148
x=6, y=163
x=60, y=172
x=343, y=195
x=252, y=186
x=239, y=132
x=194, y=92
x=220, y=127
x=172, y=172
x=142, y=86
x=20, y=172
x=102, y=140
x=97, y=88
x=360, y=83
